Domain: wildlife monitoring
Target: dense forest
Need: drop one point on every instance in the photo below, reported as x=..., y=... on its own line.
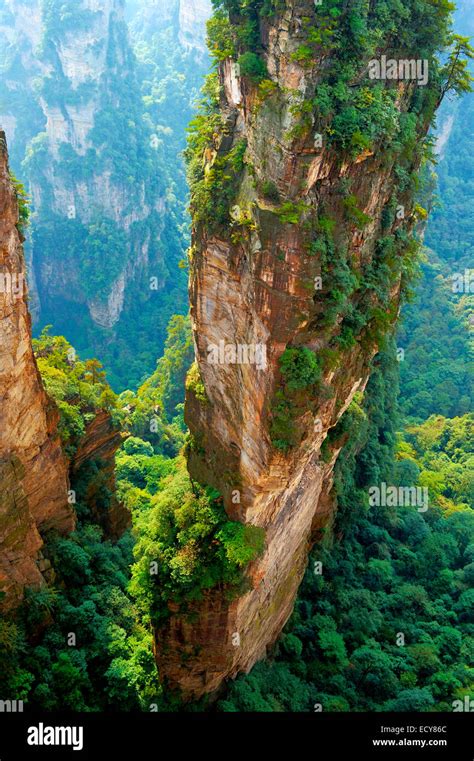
x=384, y=618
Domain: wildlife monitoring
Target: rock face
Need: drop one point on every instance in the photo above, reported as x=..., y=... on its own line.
x=187, y=19
x=33, y=469
x=262, y=281
x=81, y=57
x=100, y=443
x=96, y=171
x=193, y=15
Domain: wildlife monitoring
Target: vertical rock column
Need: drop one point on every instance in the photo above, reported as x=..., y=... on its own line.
x=297, y=273
x=33, y=469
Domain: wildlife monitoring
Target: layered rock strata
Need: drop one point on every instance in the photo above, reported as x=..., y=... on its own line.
x=268, y=279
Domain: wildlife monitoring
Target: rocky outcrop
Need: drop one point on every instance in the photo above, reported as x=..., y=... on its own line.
x=35, y=475
x=96, y=172
x=75, y=69
x=33, y=469
x=99, y=444
x=268, y=279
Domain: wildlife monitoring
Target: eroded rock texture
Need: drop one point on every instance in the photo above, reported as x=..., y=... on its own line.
x=256, y=281
x=99, y=445
x=87, y=168
x=33, y=469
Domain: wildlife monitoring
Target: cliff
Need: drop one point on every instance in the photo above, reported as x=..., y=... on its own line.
x=34, y=471
x=193, y=15
x=302, y=180
x=105, y=233
x=99, y=444
x=37, y=475
x=186, y=18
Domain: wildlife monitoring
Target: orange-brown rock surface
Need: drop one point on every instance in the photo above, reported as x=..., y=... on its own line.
x=100, y=443
x=33, y=469
x=256, y=283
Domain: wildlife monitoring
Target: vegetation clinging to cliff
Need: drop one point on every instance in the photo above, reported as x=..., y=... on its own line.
x=78, y=388
x=23, y=204
x=214, y=168
x=300, y=374
x=187, y=545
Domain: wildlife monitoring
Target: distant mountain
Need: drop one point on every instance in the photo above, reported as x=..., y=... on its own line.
x=99, y=154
